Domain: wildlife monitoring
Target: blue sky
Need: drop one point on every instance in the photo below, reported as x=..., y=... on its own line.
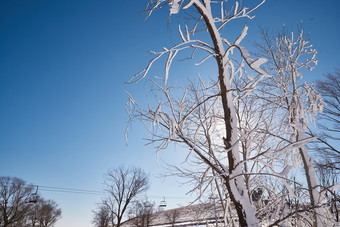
x=63, y=65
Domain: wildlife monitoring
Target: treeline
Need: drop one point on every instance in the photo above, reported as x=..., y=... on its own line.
x=22, y=206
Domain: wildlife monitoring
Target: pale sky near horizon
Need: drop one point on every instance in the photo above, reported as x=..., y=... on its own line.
x=63, y=65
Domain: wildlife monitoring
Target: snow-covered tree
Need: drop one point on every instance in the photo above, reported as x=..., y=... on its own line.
x=298, y=101
x=328, y=134
x=180, y=120
x=329, y=179
x=242, y=128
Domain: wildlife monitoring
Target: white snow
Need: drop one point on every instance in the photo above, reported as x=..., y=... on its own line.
x=174, y=6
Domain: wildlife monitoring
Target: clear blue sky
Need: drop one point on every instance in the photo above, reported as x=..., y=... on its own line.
x=63, y=65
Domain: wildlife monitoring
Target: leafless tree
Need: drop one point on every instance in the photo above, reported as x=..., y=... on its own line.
x=181, y=121
x=101, y=216
x=142, y=213
x=329, y=179
x=123, y=185
x=14, y=197
x=288, y=54
x=48, y=212
x=172, y=216
x=43, y=213
x=236, y=143
x=32, y=217
x=328, y=134
x=330, y=120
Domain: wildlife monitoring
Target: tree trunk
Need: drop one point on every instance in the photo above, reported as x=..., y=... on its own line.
x=314, y=194
x=236, y=186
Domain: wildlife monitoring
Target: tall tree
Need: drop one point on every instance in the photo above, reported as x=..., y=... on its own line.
x=182, y=120
x=123, y=185
x=236, y=136
x=212, y=16
x=14, y=198
x=328, y=135
x=288, y=55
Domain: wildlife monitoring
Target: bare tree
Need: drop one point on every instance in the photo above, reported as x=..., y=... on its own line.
x=328, y=134
x=330, y=120
x=172, y=216
x=14, y=198
x=102, y=216
x=298, y=101
x=32, y=217
x=236, y=143
x=179, y=120
x=329, y=179
x=48, y=212
x=142, y=213
x=123, y=185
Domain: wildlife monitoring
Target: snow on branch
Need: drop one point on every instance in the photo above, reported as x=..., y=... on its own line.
x=237, y=13
x=253, y=64
x=172, y=52
x=295, y=145
x=174, y=6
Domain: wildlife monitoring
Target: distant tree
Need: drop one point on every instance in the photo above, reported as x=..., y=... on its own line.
x=142, y=213
x=14, y=198
x=205, y=210
x=330, y=120
x=44, y=213
x=102, y=216
x=123, y=185
x=327, y=135
x=48, y=212
x=32, y=217
x=329, y=178
x=172, y=216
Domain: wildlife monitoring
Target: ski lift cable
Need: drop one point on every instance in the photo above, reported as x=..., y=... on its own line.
x=70, y=189
x=92, y=192
x=168, y=197
x=74, y=192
